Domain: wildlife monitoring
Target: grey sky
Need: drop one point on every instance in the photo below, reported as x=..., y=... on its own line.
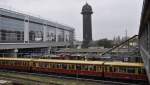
x=111, y=17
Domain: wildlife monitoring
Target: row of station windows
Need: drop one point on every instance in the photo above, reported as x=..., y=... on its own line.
x=12, y=30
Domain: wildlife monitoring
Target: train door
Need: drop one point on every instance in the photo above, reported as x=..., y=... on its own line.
x=102, y=68
x=78, y=69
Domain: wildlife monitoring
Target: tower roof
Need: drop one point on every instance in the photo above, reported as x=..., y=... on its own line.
x=87, y=9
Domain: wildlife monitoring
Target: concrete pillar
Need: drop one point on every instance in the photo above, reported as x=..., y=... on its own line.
x=145, y=37
x=56, y=34
x=0, y=25
x=44, y=33
x=26, y=29
x=63, y=35
x=49, y=50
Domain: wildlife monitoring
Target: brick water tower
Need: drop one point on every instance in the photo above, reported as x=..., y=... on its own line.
x=87, y=25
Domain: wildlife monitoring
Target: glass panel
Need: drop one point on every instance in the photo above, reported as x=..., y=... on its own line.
x=35, y=32
x=60, y=35
x=11, y=30
x=51, y=34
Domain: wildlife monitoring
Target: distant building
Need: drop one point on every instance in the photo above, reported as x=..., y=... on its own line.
x=87, y=25
x=21, y=33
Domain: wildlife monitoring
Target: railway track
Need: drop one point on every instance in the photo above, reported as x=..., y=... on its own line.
x=65, y=78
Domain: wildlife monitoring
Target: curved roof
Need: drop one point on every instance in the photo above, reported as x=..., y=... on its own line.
x=114, y=63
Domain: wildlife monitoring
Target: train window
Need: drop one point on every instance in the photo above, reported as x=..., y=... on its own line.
x=71, y=67
x=143, y=71
x=3, y=62
x=98, y=68
x=78, y=67
x=52, y=65
x=94, y=68
x=130, y=70
x=55, y=65
x=17, y=63
x=106, y=68
x=110, y=69
x=139, y=70
x=91, y=68
x=34, y=64
x=116, y=69
x=46, y=65
x=37, y=64
x=84, y=67
x=122, y=69
x=40, y=64
x=64, y=66
x=24, y=63
x=49, y=65
x=43, y=65
x=58, y=66
x=10, y=63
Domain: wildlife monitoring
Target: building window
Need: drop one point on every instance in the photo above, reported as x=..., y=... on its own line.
x=3, y=35
x=31, y=36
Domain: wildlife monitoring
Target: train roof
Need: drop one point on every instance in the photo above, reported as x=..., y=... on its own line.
x=70, y=61
x=129, y=64
x=21, y=59
x=112, y=63
x=56, y=61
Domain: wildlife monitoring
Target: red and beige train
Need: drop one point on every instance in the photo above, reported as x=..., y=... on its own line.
x=102, y=69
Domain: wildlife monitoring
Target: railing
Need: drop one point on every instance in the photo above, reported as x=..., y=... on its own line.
x=120, y=44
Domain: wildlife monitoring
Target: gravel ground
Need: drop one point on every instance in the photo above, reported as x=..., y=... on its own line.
x=29, y=79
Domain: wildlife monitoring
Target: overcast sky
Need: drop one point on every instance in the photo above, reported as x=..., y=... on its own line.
x=110, y=18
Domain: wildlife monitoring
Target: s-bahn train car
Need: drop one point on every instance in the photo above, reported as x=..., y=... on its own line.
x=124, y=70
x=69, y=67
x=100, y=69
x=15, y=64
